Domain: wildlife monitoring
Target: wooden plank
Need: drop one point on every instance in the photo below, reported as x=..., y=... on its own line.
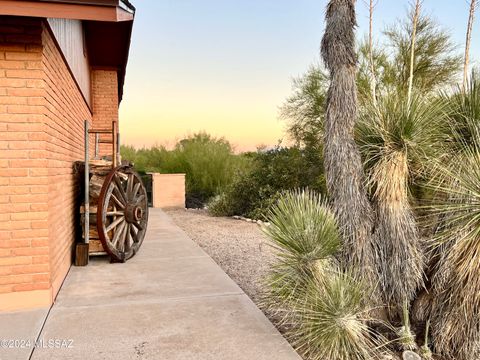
x=100, y=162
x=100, y=131
x=95, y=246
x=93, y=210
x=81, y=254
x=99, y=253
x=96, y=183
x=93, y=233
x=69, y=34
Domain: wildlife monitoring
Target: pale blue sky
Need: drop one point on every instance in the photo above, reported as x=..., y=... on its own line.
x=225, y=66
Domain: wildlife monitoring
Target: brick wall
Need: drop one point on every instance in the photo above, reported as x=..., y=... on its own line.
x=65, y=111
x=23, y=177
x=105, y=103
x=41, y=134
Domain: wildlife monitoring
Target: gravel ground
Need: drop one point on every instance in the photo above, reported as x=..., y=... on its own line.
x=238, y=247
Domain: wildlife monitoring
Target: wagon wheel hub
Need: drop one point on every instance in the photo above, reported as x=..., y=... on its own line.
x=133, y=213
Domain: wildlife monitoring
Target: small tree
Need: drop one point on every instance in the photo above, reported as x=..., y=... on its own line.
x=436, y=63
x=304, y=110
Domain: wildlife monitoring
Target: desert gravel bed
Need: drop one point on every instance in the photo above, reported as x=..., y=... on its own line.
x=238, y=247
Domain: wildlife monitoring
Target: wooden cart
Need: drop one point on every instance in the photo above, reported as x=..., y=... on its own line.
x=115, y=210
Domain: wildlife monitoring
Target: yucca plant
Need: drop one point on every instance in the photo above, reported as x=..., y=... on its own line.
x=464, y=114
x=455, y=284
x=305, y=236
x=331, y=321
x=461, y=133
x=398, y=139
x=324, y=309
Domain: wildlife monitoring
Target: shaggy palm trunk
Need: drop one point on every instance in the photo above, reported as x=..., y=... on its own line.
x=457, y=302
x=400, y=263
x=343, y=163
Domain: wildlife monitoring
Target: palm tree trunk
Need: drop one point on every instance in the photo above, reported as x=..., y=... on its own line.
x=401, y=260
x=473, y=4
x=343, y=163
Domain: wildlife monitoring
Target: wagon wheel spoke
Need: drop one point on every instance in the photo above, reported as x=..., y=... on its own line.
x=130, y=187
x=115, y=223
x=118, y=234
x=118, y=202
x=115, y=213
x=126, y=238
x=134, y=235
x=138, y=226
x=118, y=194
x=120, y=190
x=139, y=199
x=135, y=189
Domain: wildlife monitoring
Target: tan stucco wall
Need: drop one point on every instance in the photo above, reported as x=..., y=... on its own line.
x=168, y=190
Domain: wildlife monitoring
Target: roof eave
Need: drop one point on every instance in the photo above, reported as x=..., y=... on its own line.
x=88, y=10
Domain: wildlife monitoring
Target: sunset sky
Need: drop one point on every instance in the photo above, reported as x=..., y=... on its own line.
x=225, y=66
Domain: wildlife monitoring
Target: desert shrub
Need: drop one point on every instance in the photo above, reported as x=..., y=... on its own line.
x=208, y=162
x=271, y=172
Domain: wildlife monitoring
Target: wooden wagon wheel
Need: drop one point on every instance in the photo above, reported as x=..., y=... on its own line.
x=122, y=213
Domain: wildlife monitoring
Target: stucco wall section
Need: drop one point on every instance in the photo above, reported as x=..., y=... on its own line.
x=168, y=190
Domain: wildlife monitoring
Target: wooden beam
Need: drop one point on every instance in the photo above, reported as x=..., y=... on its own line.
x=64, y=11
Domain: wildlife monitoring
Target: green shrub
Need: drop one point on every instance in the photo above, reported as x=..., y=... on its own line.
x=209, y=164
x=271, y=172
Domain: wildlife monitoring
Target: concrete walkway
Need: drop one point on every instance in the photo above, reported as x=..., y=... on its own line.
x=171, y=301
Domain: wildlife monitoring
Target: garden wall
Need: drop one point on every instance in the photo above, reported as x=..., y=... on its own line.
x=168, y=190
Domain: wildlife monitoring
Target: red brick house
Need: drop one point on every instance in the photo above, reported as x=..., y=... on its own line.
x=61, y=62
